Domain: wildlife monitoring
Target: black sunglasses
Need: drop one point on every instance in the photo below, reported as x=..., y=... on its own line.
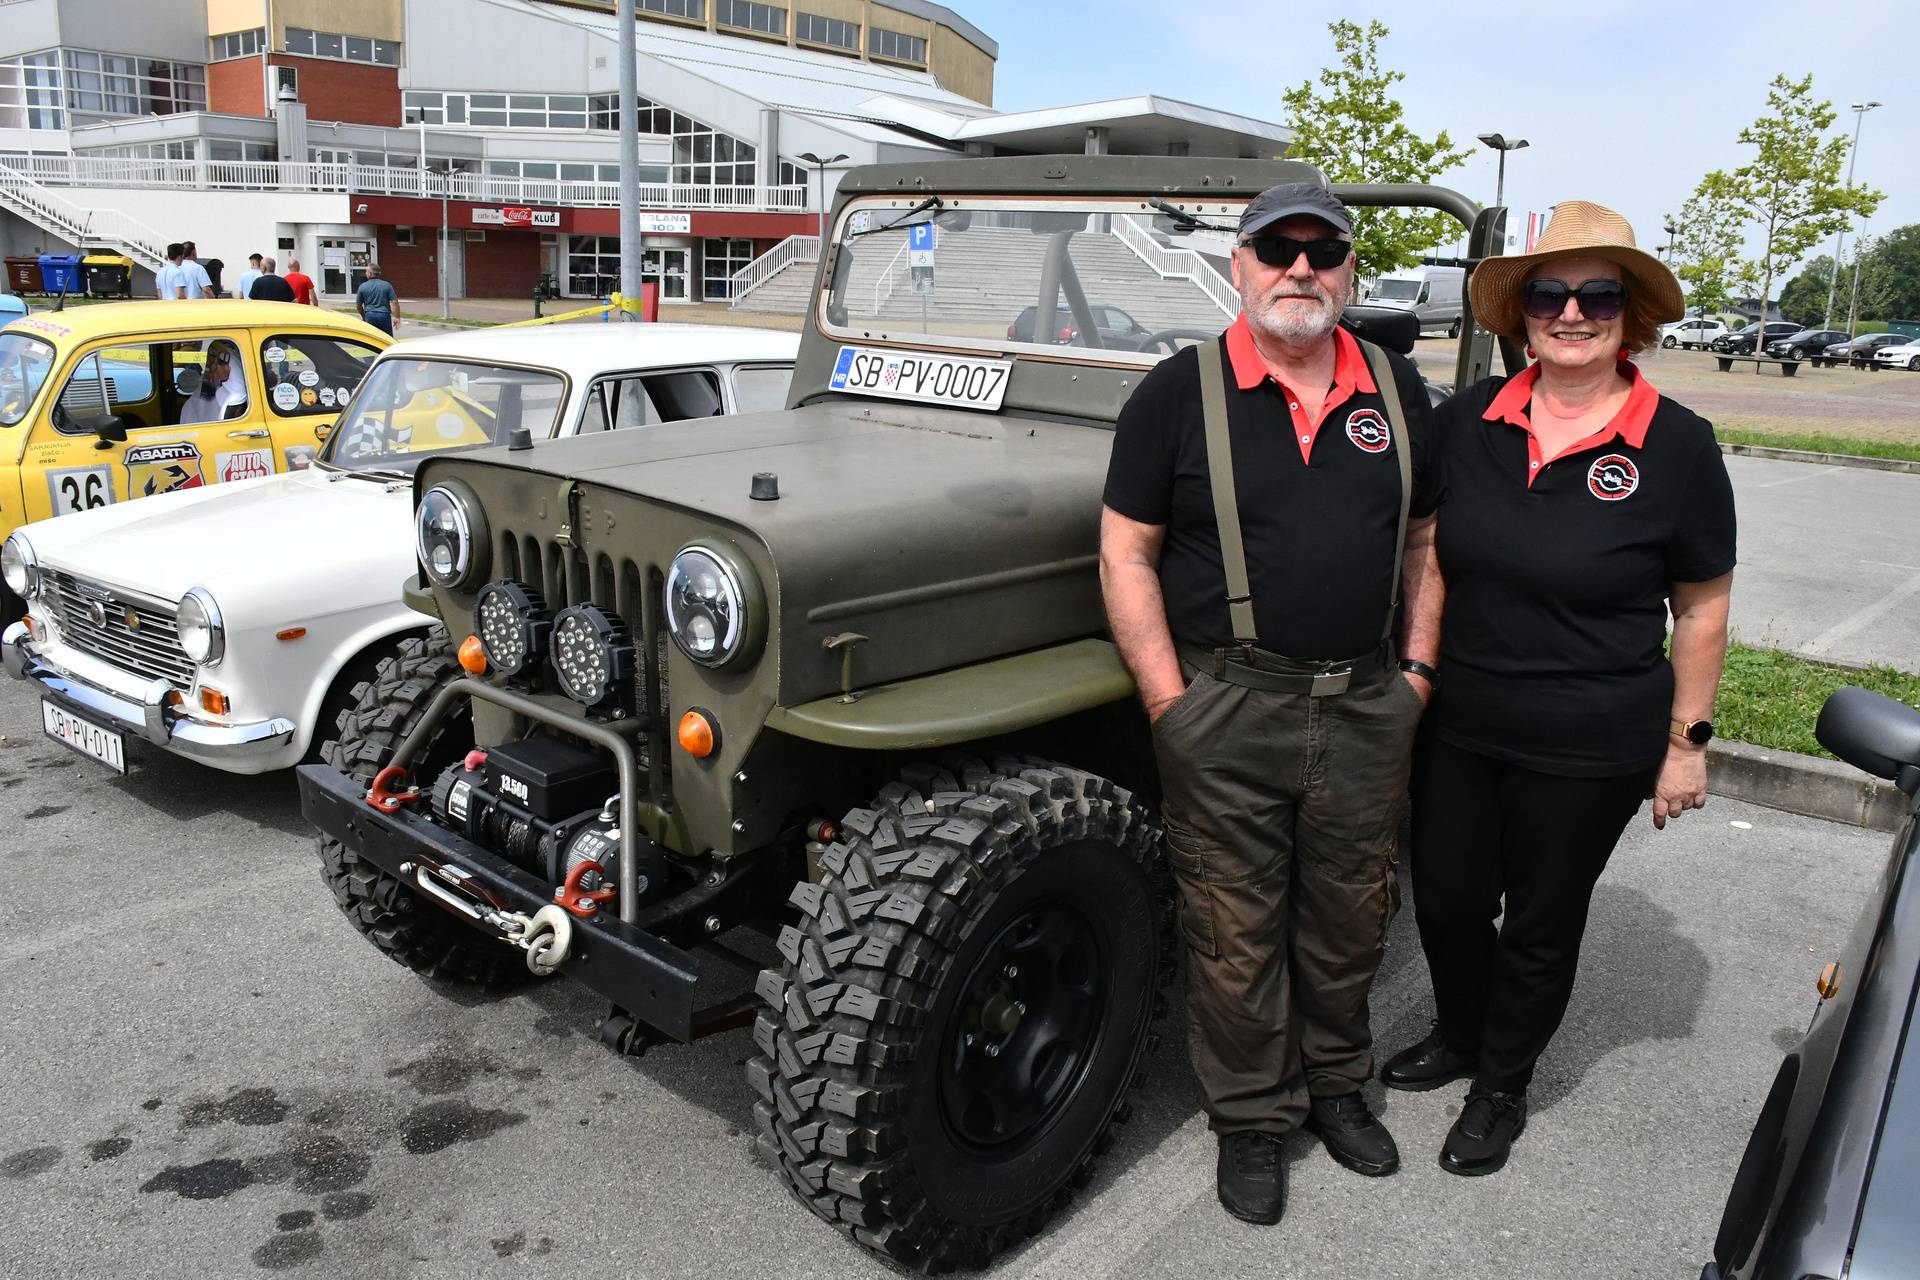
x=1278, y=251
x=1599, y=299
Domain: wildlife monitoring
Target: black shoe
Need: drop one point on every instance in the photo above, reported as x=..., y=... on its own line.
x=1426, y=1065
x=1484, y=1133
x=1252, y=1179
x=1354, y=1136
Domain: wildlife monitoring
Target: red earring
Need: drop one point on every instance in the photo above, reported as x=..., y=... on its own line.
x=1530, y=351
x=1626, y=353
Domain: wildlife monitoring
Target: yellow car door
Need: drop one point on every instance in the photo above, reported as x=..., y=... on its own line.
x=307, y=377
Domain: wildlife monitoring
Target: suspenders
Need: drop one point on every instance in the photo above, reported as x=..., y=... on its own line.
x=1226, y=507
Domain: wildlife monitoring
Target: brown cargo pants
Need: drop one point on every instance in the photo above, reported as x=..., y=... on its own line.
x=1282, y=812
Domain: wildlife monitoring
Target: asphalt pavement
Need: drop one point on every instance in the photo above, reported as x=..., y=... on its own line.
x=208, y=1073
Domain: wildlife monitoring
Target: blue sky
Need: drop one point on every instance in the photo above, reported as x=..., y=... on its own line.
x=1623, y=103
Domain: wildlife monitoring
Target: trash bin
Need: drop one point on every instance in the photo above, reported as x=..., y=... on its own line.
x=60, y=272
x=23, y=274
x=109, y=275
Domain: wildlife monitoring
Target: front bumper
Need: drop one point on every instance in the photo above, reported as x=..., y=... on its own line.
x=146, y=714
x=648, y=977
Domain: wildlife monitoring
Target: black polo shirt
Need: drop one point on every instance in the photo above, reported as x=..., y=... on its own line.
x=1319, y=500
x=1552, y=645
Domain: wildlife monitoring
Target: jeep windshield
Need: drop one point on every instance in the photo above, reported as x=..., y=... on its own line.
x=410, y=408
x=1108, y=280
x=24, y=363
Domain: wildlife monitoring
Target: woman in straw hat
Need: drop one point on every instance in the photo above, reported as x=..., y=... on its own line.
x=1581, y=505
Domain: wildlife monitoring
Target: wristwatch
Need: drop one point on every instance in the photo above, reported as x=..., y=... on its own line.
x=1698, y=732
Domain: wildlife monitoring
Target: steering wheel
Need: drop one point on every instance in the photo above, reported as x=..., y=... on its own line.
x=1166, y=337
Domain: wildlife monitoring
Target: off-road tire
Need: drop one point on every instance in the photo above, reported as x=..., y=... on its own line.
x=389, y=914
x=920, y=899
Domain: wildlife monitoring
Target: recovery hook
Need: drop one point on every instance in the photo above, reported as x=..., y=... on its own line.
x=382, y=795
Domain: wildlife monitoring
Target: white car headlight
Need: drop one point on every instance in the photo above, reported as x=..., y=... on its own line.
x=19, y=567
x=203, y=636
x=708, y=610
x=445, y=536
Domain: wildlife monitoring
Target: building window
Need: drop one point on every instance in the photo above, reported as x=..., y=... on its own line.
x=239, y=44
x=345, y=48
x=892, y=44
x=593, y=265
x=403, y=237
x=750, y=16
x=218, y=149
x=45, y=90
x=833, y=31
x=694, y=10
x=719, y=259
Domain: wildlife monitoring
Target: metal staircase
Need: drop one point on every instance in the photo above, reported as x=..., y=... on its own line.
x=78, y=226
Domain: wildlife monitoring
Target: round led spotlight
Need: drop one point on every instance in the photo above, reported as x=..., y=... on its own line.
x=511, y=620
x=707, y=610
x=591, y=655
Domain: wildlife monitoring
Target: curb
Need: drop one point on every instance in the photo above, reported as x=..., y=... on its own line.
x=1902, y=465
x=1806, y=785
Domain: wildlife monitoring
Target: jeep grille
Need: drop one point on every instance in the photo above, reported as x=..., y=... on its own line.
x=133, y=633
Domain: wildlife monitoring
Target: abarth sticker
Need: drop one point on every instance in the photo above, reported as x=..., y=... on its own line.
x=246, y=464
x=1612, y=478
x=162, y=468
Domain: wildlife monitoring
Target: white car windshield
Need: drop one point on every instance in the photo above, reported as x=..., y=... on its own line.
x=409, y=408
x=24, y=363
x=1013, y=274
x=1397, y=290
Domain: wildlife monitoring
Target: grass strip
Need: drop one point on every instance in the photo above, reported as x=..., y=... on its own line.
x=1815, y=443
x=1771, y=698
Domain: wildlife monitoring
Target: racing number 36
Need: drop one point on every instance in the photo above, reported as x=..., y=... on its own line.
x=81, y=489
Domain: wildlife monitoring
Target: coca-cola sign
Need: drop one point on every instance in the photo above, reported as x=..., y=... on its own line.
x=516, y=216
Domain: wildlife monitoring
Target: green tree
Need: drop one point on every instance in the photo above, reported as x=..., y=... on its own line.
x=1804, y=299
x=1890, y=276
x=1792, y=188
x=1349, y=126
x=1707, y=245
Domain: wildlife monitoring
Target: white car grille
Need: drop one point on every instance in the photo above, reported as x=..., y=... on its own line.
x=133, y=634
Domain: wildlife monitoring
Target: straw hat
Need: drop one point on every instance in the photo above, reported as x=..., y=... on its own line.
x=1581, y=229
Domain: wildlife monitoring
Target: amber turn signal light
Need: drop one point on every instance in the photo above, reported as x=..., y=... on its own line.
x=1829, y=984
x=473, y=658
x=697, y=735
x=290, y=633
x=214, y=702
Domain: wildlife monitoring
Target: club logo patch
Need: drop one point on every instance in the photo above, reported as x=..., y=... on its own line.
x=1367, y=429
x=1612, y=478
x=162, y=468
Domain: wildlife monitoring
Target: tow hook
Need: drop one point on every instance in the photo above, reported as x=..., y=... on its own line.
x=584, y=903
x=547, y=939
x=383, y=797
x=546, y=936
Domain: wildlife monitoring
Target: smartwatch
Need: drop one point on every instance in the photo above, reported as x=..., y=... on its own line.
x=1698, y=732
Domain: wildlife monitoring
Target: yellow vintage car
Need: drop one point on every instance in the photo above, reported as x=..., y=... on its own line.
x=101, y=404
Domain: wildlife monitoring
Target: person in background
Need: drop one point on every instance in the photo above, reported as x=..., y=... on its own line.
x=300, y=283
x=170, y=281
x=269, y=287
x=1583, y=508
x=378, y=304
x=243, y=287
x=199, y=283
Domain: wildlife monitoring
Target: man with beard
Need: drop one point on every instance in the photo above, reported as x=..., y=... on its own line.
x=1266, y=552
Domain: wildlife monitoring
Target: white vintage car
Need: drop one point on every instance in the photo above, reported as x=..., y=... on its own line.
x=229, y=624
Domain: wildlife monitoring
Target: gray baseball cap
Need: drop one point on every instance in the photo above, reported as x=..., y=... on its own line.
x=1291, y=200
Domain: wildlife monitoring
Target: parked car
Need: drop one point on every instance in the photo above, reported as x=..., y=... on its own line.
x=1861, y=350
x=1827, y=1184
x=106, y=403
x=1116, y=327
x=231, y=624
x=1693, y=333
x=1740, y=341
x=1431, y=293
x=1905, y=355
x=1805, y=343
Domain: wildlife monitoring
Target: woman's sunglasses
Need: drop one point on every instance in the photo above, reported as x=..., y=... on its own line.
x=1599, y=299
x=1278, y=251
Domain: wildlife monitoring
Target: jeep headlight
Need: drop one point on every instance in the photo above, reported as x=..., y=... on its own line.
x=203, y=636
x=708, y=609
x=447, y=533
x=19, y=567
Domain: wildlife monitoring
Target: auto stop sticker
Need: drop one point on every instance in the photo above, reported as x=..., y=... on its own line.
x=246, y=464
x=286, y=397
x=1368, y=430
x=162, y=468
x=899, y=375
x=1612, y=478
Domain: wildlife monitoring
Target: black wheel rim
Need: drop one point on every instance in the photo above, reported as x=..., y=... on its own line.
x=1025, y=1028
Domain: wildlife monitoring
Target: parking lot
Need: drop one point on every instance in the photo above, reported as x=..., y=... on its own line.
x=210, y=1074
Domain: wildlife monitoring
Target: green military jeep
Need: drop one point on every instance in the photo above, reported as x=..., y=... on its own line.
x=838, y=674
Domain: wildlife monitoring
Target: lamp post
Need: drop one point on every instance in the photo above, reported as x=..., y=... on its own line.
x=630, y=277
x=1499, y=143
x=1671, y=231
x=446, y=179
x=1860, y=110
x=820, y=172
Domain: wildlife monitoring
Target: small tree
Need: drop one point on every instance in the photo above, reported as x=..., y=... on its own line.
x=1804, y=299
x=1792, y=187
x=1707, y=244
x=1350, y=128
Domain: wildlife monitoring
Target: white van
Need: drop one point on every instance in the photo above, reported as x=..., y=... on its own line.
x=1432, y=293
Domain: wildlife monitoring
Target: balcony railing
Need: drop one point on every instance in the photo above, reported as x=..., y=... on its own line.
x=353, y=179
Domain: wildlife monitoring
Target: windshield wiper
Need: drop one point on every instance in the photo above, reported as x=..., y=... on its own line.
x=901, y=223
x=1186, y=219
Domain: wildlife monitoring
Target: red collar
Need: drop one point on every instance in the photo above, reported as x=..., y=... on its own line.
x=1350, y=373
x=1630, y=423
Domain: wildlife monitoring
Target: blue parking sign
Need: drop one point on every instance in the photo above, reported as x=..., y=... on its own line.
x=920, y=236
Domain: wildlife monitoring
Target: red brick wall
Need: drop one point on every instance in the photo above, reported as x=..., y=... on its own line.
x=237, y=87
x=347, y=91
x=410, y=268
x=504, y=265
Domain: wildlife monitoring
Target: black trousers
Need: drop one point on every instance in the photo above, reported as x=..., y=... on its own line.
x=1487, y=830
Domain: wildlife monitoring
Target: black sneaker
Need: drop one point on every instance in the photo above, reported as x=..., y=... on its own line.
x=1426, y=1065
x=1252, y=1178
x=1354, y=1136
x=1483, y=1135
